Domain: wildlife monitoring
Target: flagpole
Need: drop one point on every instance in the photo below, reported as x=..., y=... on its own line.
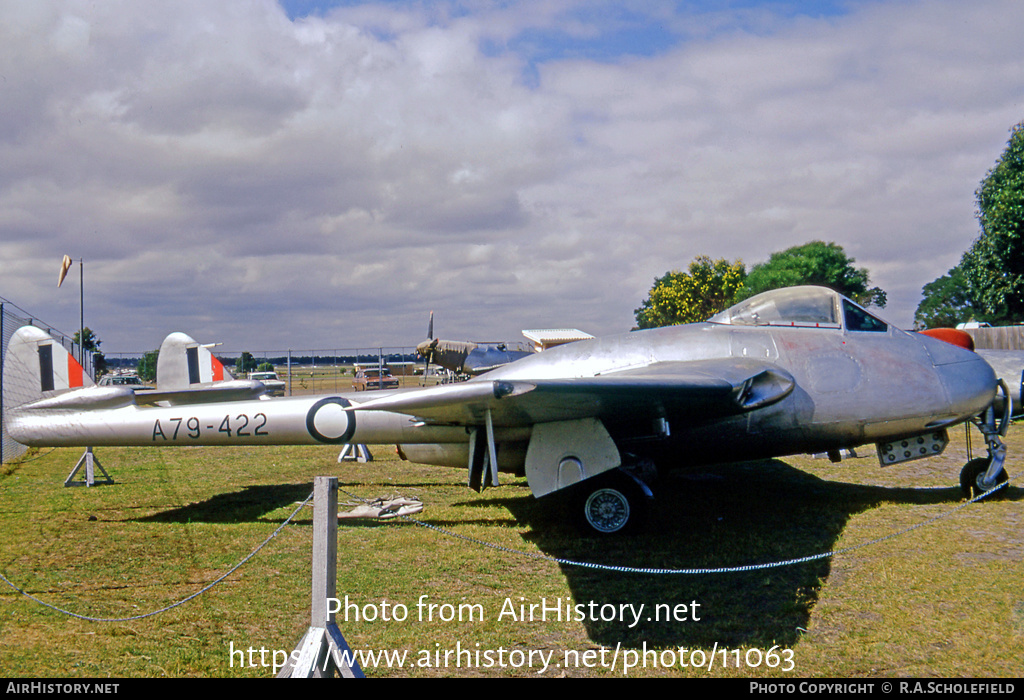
x=81, y=313
x=88, y=460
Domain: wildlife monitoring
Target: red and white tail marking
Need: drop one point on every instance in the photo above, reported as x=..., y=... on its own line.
x=36, y=366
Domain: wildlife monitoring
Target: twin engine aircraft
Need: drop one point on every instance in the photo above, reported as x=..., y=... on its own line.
x=789, y=371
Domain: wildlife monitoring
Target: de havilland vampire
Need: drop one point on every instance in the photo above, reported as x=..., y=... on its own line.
x=796, y=370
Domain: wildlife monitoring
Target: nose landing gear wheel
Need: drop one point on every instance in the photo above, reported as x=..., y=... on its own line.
x=971, y=475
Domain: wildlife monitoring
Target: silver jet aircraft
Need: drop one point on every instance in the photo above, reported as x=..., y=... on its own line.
x=794, y=370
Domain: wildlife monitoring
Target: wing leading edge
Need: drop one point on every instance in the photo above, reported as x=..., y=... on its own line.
x=701, y=388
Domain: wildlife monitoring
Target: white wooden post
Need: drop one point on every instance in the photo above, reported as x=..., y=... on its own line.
x=323, y=649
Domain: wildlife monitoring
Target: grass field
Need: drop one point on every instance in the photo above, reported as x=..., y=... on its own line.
x=942, y=600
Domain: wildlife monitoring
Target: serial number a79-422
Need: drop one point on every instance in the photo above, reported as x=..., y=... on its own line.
x=193, y=428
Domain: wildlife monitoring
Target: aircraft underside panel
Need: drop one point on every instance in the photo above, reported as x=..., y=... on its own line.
x=563, y=453
x=927, y=445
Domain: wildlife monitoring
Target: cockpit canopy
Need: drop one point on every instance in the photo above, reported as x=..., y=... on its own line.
x=805, y=307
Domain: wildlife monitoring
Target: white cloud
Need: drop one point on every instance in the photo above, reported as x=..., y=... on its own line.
x=328, y=181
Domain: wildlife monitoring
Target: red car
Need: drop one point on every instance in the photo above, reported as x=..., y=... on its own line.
x=368, y=379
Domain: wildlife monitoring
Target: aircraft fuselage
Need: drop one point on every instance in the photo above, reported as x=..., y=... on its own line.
x=849, y=381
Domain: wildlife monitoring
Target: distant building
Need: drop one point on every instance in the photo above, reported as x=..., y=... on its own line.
x=550, y=337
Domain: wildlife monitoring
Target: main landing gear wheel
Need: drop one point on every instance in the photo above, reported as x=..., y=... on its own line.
x=972, y=473
x=611, y=505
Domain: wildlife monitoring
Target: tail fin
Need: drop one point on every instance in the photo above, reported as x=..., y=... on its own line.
x=37, y=366
x=188, y=373
x=183, y=363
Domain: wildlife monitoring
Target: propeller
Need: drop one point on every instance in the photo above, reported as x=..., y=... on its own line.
x=450, y=354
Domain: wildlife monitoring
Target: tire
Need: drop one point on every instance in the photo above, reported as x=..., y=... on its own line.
x=972, y=472
x=611, y=505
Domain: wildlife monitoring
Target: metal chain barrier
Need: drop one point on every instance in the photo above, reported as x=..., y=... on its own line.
x=519, y=552
x=198, y=593
x=721, y=570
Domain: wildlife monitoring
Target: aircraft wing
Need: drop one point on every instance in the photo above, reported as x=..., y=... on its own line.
x=701, y=388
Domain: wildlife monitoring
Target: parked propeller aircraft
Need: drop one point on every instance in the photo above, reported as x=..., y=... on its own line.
x=469, y=358
x=794, y=370
x=464, y=357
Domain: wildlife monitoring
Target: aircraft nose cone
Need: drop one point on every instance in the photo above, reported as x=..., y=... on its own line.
x=969, y=381
x=970, y=385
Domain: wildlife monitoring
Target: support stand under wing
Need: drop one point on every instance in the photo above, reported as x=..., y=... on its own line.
x=90, y=462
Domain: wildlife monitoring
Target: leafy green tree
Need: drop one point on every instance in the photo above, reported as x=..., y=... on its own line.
x=91, y=344
x=994, y=265
x=146, y=369
x=946, y=302
x=688, y=297
x=245, y=363
x=818, y=263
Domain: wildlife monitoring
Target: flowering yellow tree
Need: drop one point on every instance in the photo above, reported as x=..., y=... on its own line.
x=689, y=297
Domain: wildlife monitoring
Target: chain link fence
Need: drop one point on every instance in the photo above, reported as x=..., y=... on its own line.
x=322, y=371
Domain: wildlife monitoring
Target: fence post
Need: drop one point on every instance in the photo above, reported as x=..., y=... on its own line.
x=323, y=649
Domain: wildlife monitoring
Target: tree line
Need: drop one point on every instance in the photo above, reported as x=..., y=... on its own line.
x=709, y=286
x=987, y=285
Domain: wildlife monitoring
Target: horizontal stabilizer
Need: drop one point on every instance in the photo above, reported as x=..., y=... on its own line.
x=231, y=390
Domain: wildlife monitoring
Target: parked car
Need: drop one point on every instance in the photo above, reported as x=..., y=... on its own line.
x=131, y=380
x=275, y=386
x=368, y=379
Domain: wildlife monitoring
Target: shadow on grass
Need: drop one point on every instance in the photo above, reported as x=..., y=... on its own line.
x=254, y=502
x=249, y=504
x=744, y=514
x=737, y=515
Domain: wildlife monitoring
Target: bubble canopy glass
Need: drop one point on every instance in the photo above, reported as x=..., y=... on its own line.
x=805, y=307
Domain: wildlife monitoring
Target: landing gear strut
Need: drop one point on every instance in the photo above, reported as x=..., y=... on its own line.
x=985, y=473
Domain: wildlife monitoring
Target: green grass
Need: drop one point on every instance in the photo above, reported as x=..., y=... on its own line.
x=943, y=600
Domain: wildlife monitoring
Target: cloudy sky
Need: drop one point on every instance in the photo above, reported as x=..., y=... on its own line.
x=303, y=175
